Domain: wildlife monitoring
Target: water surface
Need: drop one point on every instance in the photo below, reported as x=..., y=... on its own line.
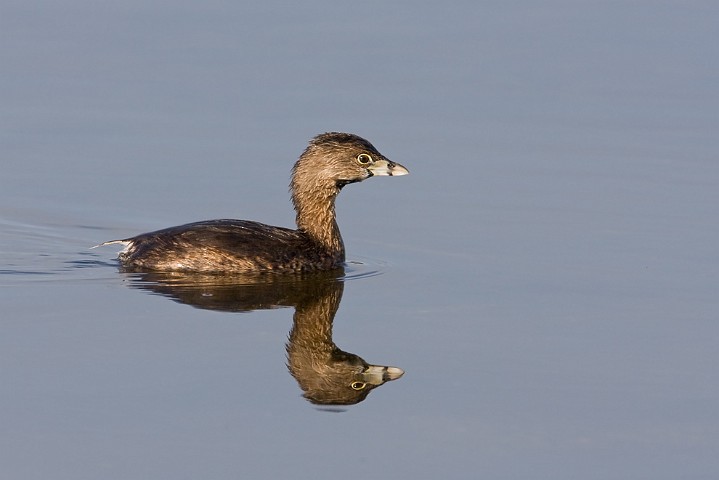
x=546, y=276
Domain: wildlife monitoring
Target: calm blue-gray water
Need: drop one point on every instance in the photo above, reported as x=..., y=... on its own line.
x=547, y=276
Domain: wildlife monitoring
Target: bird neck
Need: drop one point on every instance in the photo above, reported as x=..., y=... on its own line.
x=315, y=209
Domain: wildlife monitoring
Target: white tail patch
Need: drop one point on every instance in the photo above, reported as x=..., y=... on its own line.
x=126, y=243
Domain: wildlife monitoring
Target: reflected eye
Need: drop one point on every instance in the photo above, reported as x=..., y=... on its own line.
x=364, y=159
x=358, y=385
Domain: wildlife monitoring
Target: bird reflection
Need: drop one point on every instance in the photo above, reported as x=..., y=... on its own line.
x=326, y=374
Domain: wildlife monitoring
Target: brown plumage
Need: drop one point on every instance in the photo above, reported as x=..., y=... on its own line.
x=331, y=161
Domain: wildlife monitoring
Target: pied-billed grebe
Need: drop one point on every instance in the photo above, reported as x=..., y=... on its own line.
x=331, y=161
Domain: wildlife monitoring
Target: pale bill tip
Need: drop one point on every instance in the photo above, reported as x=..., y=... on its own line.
x=398, y=170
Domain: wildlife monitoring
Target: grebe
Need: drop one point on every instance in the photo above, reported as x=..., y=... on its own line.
x=331, y=161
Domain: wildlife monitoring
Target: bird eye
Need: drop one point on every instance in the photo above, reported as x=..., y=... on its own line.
x=364, y=159
x=358, y=385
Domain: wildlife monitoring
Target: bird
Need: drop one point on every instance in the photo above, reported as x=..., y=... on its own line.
x=330, y=162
